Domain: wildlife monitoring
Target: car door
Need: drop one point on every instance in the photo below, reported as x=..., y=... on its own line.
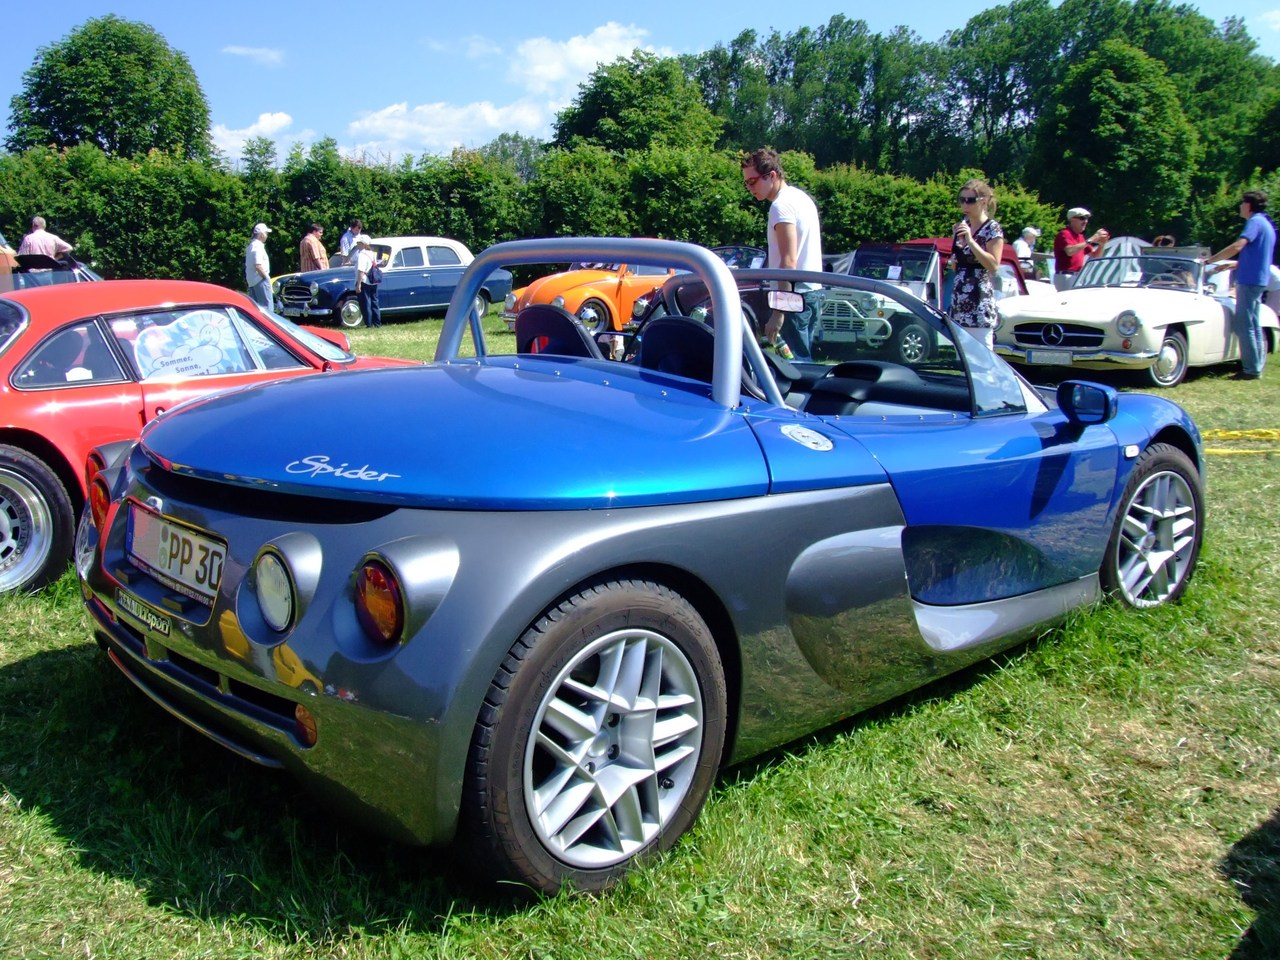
x=187, y=352
x=444, y=271
x=1002, y=500
x=405, y=281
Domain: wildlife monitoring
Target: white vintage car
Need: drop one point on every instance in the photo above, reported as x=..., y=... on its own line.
x=1158, y=311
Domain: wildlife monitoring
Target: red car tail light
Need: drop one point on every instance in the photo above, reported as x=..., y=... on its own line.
x=99, y=501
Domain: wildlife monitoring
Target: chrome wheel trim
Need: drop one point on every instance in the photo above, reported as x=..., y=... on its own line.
x=26, y=530
x=1170, y=365
x=350, y=314
x=1157, y=544
x=912, y=345
x=613, y=748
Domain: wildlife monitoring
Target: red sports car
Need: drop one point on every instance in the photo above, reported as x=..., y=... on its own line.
x=84, y=364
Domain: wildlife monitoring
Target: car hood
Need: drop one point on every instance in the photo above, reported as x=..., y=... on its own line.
x=320, y=276
x=1095, y=304
x=515, y=433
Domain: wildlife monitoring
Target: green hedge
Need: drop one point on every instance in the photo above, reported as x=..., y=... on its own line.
x=158, y=216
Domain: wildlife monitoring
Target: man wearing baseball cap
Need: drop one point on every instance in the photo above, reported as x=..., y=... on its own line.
x=257, y=268
x=1023, y=247
x=1071, y=246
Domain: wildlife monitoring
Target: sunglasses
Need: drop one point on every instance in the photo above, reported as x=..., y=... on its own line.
x=967, y=200
x=752, y=181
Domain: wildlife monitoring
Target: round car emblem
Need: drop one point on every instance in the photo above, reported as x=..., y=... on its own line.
x=1053, y=334
x=806, y=437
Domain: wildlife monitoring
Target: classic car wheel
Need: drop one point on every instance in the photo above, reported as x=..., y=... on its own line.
x=349, y=312
x=1170, y=367
x=599, y=738
x=595, y=316
x=482, y=305
x=911, y=343
x=36, y=522
x=1156, y=540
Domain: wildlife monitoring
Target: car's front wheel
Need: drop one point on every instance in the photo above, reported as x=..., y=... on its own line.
x=911, y=343
x=1155, y=543
x=599, y=738
x=36, y=522
x=1170, y=367
x=349, y=312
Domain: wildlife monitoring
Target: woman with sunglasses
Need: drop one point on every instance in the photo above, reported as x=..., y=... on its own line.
x=977, y=244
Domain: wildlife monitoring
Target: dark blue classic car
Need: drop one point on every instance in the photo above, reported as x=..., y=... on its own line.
x=419, y=275
x=539, y=607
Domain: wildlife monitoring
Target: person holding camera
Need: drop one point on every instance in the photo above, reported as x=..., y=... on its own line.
x=1071, y=247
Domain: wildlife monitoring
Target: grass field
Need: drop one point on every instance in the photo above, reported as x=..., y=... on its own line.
x=1111, y=790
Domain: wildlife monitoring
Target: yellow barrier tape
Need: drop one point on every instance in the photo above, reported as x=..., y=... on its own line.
x=1261, y=434
x=1225, y=453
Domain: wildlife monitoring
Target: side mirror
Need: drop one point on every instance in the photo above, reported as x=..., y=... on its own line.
x=785, y=301
x=1087, y=403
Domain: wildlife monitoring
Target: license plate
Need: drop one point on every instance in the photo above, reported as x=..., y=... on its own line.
x=177, y=556
x=1049, y=357
x=292, y=311
x=153, y=620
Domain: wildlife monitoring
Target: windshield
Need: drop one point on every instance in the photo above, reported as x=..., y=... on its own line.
x=1159, y=272
x=897, y=265
x=324, y=348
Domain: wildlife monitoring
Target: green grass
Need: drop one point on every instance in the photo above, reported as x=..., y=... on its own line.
x=1108, y=791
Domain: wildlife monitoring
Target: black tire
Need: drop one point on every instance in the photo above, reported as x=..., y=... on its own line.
x=1155, y=542
x=1170, y=368
x=551, y=730
x=37, y=525
x=349, y=312
x=912, y=343
x=482, y=304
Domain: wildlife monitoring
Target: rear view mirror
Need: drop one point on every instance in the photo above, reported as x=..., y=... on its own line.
x=785, y=301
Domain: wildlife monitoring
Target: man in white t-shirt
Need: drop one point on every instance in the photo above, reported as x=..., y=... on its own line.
x=257, y=267
x=794, y=239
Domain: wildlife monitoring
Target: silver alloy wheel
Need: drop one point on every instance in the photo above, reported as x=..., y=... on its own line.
x=1170, y=367
x=615, y=746
x=1156, y=547
x=26, y=525
x=913, y=344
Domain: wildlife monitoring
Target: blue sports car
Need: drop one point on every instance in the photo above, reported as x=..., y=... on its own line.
x=531, y=600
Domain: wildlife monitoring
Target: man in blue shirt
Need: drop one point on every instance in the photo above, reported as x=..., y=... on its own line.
x=1253, y=252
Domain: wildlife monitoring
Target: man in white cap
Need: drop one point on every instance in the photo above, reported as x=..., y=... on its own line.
x=1022, y=248
x=1071, y=246
x=257, y=268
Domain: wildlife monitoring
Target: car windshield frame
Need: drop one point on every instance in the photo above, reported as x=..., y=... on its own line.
x=1147, y=270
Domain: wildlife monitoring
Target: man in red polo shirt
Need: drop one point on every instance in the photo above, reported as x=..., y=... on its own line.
x=1071, y=246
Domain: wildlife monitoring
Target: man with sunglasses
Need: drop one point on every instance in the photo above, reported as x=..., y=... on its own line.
x=1071, y=247
x=794, y=240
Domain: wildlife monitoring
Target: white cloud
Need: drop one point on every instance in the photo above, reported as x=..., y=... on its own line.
x=231, y=142
x=438, y=128
x=556, y=67
x=263, y=56
x=1271, y=20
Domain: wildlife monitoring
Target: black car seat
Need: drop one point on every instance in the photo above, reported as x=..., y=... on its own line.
x=678, y=345
x=545, y=328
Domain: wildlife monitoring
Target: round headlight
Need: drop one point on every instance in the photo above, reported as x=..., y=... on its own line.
x=275, y=287
x=275, y=591
x=315, y=288
x=510, y=302
x=557, y=301
x=1127, y=323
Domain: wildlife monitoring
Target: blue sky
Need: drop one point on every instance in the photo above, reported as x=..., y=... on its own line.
x=431, y=76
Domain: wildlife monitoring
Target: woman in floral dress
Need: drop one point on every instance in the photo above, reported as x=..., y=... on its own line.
x=977, y=245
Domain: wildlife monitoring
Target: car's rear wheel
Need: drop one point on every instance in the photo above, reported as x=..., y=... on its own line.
x=1155, y=543
x=595, y=315
x=599, y=738
x=349, y=312
x=911, y=343
x=482, y=304
x=1170, y=368
x=36, y=522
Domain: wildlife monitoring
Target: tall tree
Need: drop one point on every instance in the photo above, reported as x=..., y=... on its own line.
x=1115, y=137
x=116, y=84
x=637, y=102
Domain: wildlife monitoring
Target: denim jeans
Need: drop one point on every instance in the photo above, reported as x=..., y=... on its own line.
x=369, y=305
x=1248, y=329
